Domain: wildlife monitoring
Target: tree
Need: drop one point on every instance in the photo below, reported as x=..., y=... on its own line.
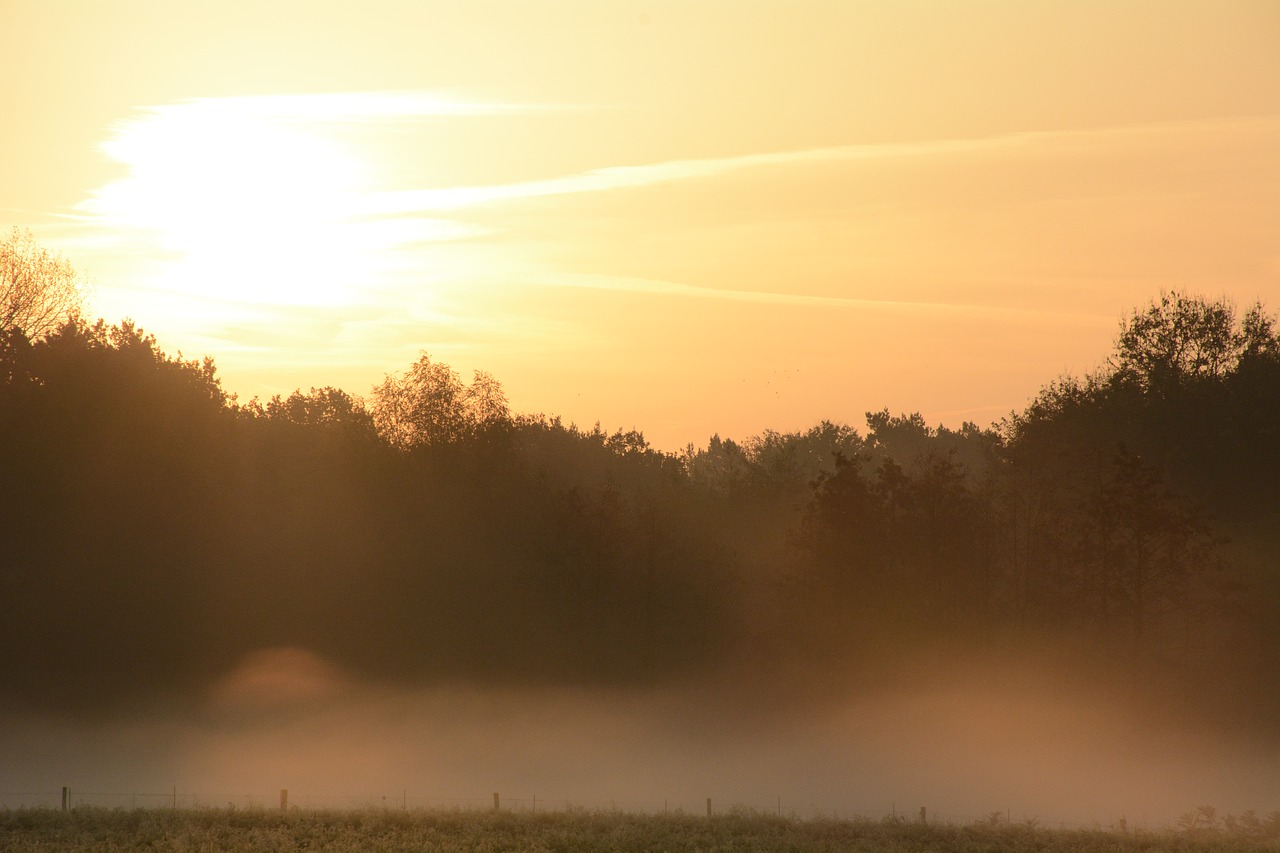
x=1182, y=338
x=38, y=290
x=783, y=465
x=1148, y=554
x=326, y=407
x=722, y=467
x=848, y=574
x=430, y=405
x=485, y=401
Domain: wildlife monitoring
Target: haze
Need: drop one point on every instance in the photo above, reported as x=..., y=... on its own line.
x=963, y=751
x=686, y=219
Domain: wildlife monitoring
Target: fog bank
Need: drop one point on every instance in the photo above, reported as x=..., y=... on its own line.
x=963, y=748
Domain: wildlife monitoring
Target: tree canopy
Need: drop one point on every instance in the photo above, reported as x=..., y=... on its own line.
x=1181, y=339
x=38, y=289
x=1125, y=523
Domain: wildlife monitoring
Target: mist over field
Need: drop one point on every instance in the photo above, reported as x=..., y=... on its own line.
x=1070, y=617
x=964, y=749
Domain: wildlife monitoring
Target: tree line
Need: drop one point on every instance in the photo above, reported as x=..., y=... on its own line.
x=156, y=529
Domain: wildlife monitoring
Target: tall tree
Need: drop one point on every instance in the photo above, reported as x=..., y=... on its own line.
x=1180, y=338
x=1150, y=571
x=38, y=290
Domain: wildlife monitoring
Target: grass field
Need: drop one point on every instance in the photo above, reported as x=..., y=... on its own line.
x=377, y=830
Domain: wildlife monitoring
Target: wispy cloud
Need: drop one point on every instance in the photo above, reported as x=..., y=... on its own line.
x=659, y=287
x=625, y=177
x=263, y=199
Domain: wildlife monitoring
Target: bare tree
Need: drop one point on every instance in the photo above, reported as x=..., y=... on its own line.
x=38, y=289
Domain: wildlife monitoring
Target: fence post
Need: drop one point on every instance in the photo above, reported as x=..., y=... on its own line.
x=495, y=801
x=66, y=797
x=284, y=799
x=923, y=819
x=708, y=807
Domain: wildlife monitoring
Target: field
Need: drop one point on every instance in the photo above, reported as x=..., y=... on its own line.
x=388, y=830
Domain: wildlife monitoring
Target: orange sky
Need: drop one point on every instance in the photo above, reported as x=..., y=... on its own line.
x=687, y=217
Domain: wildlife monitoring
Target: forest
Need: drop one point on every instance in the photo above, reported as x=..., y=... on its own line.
x=1124, y=528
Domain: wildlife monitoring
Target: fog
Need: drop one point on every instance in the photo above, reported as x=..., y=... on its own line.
x=962, y=746
x=1071, y=618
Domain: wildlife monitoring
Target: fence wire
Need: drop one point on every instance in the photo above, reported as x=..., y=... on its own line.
x=405, y=801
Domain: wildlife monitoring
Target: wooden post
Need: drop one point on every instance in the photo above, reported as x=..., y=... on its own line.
x=535, y=803
x=923, y=819
x=495, y=801
x=708, y=807
x=284, y=799
x=66, y=797
x=175, y=798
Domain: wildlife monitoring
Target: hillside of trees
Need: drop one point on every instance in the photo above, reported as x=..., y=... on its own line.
x=156, y=530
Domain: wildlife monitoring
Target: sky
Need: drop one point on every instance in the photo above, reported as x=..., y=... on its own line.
x=683, y=217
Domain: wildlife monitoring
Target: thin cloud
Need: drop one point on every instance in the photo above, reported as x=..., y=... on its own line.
x=625, y=177
x=658, y=287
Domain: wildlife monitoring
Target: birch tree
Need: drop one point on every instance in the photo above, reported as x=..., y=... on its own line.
x=39, y=290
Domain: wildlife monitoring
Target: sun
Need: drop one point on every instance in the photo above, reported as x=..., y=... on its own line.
x=249, y=205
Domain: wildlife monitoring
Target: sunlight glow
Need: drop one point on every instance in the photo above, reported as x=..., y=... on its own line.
x=255, y=201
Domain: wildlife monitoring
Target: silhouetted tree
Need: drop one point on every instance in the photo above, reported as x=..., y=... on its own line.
x=38, y=289
x=139, y=498
x=1147, y=556
x=329, y=407
x=115, y=464
x=783, y=466
x=430, y=405
x=1181, y=338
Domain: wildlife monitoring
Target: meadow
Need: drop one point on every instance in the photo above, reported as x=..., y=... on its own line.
x=99, y=829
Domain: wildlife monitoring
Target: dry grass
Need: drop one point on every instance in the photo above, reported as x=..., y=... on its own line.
x=369, y=830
